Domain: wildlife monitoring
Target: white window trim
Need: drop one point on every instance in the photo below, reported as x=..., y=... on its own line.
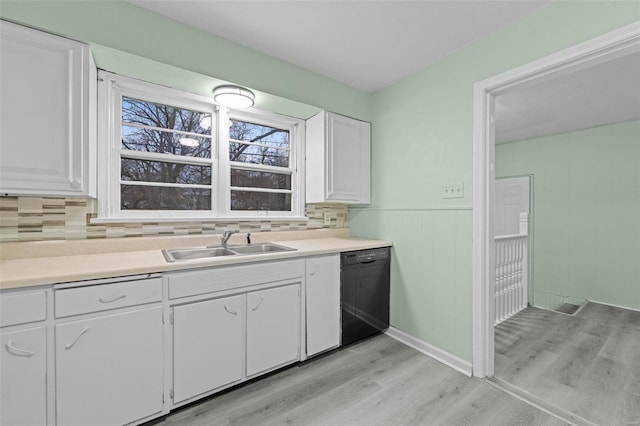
x=110, y=89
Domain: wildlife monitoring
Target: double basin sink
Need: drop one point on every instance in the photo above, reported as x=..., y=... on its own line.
x=179, y=255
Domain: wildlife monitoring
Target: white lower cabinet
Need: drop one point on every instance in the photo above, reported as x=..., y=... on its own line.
x=23, y=366
x=109, y=369
x=207, y=346
x=273, y=328
x=322, y=303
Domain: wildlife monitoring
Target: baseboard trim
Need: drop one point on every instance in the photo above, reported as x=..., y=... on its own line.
x=438, y=354
x=539, y=403
x=611, y=304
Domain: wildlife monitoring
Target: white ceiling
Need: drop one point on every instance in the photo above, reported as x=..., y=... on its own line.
x=602, y=94
x=371, y=44
x=364, y=44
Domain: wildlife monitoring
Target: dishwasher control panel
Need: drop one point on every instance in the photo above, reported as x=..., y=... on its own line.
x=362, y=256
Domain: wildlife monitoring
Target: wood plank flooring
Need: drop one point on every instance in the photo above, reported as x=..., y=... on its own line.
x=376, y=382
x=587, y=364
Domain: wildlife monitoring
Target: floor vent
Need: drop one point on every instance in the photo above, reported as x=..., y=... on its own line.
x=568, y=308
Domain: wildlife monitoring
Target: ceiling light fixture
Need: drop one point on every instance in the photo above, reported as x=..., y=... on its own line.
x=232, y=96
x=190, y=142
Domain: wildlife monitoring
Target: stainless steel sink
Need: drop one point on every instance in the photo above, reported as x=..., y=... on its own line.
x=178, y=255
x=262, y=248
x=186, y=254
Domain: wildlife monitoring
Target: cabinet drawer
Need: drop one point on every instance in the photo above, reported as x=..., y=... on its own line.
x=204, y=281
x=82, y=300
x=22, y=308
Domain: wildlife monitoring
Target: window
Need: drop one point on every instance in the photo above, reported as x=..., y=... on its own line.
x=169, y=154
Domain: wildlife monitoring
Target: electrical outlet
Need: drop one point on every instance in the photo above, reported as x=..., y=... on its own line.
x=453, y=191
x=326, y=218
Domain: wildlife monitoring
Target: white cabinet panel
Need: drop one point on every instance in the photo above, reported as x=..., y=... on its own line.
x=338, y=163
x=47, y=114
x=273, y=328
x=96, y=298
x=109, y=368
x=23, y=365
x=207, y=346
x=22, y=307
x=323, y=303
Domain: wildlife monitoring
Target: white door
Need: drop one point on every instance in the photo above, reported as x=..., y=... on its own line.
x=109, y=368
x=273, y=328
x=207, y=346
x=323, y=303
x=512, y=197
x=23, y=365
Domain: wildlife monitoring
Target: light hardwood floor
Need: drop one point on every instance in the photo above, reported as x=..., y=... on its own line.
x=376, y=382
x=587, y=364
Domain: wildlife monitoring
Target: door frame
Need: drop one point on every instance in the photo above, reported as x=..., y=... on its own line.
x=609, y=46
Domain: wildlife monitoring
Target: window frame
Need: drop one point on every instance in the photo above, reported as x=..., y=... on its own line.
x=296, y=168
x=112, y=88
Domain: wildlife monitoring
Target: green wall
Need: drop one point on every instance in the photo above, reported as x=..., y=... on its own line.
x=422, y=140
x=586, y=212
x=421, y=127
x=139, y=43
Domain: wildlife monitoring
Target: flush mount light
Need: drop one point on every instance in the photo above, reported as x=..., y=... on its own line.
x=232, y=96
x=190, y=142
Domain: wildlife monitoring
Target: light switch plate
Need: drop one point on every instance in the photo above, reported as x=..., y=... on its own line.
x=453, y=191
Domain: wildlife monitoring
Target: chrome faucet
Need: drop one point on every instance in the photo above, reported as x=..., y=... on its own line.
x=226, y=235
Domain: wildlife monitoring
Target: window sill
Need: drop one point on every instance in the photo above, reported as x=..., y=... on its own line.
x=99, y=220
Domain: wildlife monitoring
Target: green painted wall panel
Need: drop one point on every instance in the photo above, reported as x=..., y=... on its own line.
x=586, y=212
x=422, y=140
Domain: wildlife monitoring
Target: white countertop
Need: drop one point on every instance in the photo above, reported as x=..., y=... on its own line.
x=27, y=272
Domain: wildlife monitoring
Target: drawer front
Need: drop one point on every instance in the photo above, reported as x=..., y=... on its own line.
x=82, y=300
x=192, y=283
x=22, y=308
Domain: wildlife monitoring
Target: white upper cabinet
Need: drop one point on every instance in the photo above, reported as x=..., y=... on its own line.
x=338, y=159
x=47, y=114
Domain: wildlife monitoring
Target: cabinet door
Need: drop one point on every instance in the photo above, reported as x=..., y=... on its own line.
x=23, y=366
x=323, y=303
x=207, y=346
x=273, y=328
x=44, y=113
x=109, y=368
x=348, y=159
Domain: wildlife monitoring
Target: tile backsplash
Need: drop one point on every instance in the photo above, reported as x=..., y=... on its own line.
x=58, y=218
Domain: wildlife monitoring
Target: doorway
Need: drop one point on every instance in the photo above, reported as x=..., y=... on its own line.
x=512, y=236
x=615, y=44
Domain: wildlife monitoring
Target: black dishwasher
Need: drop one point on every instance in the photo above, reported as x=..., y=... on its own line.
x=365, y=288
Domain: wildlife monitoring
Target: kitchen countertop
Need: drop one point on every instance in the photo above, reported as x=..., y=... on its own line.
x=27, y=272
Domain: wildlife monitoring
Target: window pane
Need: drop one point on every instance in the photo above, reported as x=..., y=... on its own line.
x=246, y=200
x=255, y=179
x=165, y=116
x=147, y=140
x=162, y=198
x=265, y=135
x=160, y=171
x=258, y=155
